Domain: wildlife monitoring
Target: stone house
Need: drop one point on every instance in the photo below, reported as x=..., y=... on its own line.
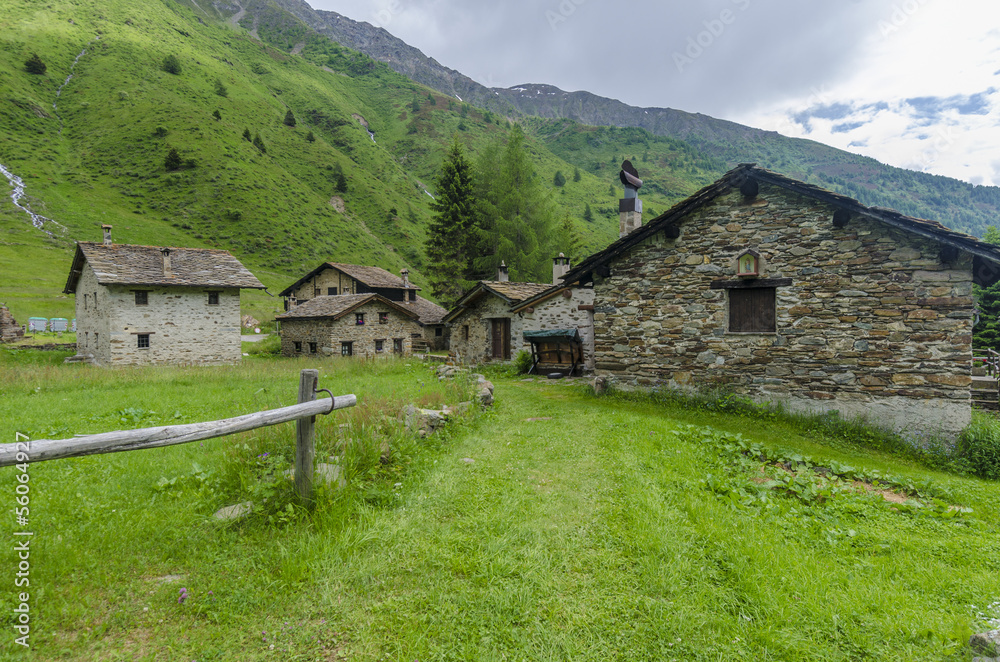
x=338, y=279
x=348, y=325
x=10, y=330
x=149, y=305
x=787, y=292
x=483, y=326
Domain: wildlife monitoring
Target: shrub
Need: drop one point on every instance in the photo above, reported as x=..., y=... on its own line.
x=523, y=362
x=34, y=65
x=310, y=137
x=173, y=160
x=216, y=114
x=172, y=65
x=160, y=132
x=220, y=89
x=259, y=69
x=980, y=447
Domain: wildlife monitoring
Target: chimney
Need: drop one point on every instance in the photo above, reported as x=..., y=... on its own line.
x=107, y=234
x=502, y=274
x=629, y=207
x=405, y=273
x=560, y=267
x=167, y=272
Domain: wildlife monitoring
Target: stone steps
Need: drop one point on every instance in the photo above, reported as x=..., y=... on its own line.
x=985, y=392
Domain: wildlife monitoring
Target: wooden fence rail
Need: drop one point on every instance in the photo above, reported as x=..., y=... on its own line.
x=304, y=412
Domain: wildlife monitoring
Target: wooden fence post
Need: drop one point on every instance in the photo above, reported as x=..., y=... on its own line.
x=305, y=443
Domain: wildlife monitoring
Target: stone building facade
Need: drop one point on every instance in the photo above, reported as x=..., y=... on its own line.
x=482, y=325
x=146, y=305
x=841, y=307
x=348, y=325
x=340, y=279
x=561, y=307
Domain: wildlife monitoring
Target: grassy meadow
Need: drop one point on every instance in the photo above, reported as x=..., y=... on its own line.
x=556, y=525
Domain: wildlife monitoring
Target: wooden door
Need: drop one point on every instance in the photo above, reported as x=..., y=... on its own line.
x=500, y=333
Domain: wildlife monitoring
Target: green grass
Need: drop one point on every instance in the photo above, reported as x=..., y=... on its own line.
x=557, y=526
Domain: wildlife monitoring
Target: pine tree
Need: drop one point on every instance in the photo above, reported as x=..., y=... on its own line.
x=986, y=332
x=559, y=179
x=588, y=215
x=569, y=239
x=246, y=136
x=576, y=174
x=310, y=137
x=172, y=65
x=289, y=118
x=415, y=105
x=259, y=144
x=34, y=65
x=341, y=183
x=220, y=89
x=217, y=115
x=173, y=160
x=448, y=242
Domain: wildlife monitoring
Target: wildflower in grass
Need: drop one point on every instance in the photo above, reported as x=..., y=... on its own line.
x=183, y=596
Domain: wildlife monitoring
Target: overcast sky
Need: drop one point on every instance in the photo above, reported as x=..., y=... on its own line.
x=912, y=83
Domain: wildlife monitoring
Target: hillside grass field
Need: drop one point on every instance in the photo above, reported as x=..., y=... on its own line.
x=557, y=525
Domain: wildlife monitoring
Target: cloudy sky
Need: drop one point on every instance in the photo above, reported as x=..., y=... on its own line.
x=913, y=83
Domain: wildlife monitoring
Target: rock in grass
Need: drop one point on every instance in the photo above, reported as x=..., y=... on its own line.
x=235, y=512
x=423, y=421
x=331, y=474
x=986, y=643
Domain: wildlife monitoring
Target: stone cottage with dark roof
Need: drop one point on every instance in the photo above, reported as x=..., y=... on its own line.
x=337, y=279
x=787, y=292
x=149, y=305
x=348, y=325
x=483, y=326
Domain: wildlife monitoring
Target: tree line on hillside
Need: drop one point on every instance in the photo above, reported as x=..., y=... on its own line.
x=491, y=210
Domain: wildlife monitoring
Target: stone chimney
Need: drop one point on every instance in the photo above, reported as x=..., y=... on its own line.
x=629, y=207
x=405, y=273
x=502, y=275
x=107, y=234
x=560, y=267
x=167, y=271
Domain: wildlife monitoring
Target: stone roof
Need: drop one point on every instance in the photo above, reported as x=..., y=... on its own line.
x=370, y=276
x=429, y=312
x=337, y=305
x=127, y=264
x=512, y=293
x=986, y=267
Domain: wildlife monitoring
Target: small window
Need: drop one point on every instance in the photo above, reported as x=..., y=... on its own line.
x=213, y=298
x=359, y=318
x=465, y=332
x=752, y=310
x=312, y=348
x=383, y=318
x=347, y=349
x=331, y=291
x=298, y=347
x=85, y=301
x=142, y=341
x=141, y=297
x=413, y=295
x=438, y=331
x=317, y=292
x=397, y=345
x=379, y=346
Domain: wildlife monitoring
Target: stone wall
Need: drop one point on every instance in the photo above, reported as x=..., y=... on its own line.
x=563, y=312
x=183, y=327
x=872, y=324
x=478, y=348
x=322, y=281
x=328, y=334
x=93, y=315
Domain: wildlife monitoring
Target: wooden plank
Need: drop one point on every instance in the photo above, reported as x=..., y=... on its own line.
x=749, y=283
x=166, y=435
x=305, y=442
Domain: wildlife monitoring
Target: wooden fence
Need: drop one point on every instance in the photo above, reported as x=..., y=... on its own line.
x=304, y=413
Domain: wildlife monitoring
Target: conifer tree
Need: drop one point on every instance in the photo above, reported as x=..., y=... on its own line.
x=289, y=118
x=217, y=115
x=310, y=137
x=588, y=215
x=259, y=144
x=173, y=160
x=986, y=332
x=341, y=183
x=569, y=239
x=448, y=241
x=220, y=89
x=246, y=136
x=515, y=216
x=576, y=174
x=34, y=65
x=559, y=179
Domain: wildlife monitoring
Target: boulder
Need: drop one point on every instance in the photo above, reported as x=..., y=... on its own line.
x=423, y=421
x=234, y=512
x=485, y=397
x=986, y=643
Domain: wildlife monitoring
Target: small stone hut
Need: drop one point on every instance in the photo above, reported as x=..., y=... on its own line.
x=348, y=325
x=784, y=291
x=150, y=305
